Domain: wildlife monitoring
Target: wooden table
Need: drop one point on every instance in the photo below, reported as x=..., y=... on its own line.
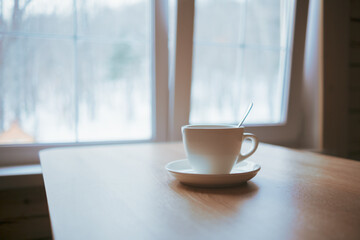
x=124, y=192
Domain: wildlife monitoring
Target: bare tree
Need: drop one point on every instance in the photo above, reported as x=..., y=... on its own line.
x=5, y=43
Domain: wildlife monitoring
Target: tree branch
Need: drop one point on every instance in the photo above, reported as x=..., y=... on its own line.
x=25, y=5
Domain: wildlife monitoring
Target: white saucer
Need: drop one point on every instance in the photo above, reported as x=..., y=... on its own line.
x=241, y=173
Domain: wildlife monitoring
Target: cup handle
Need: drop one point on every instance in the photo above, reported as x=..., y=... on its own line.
x=255, y=143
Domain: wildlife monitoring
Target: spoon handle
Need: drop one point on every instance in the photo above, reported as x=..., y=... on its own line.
x=247, y=113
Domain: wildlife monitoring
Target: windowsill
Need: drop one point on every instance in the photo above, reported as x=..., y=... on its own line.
x=20, y=170
x=21, y=176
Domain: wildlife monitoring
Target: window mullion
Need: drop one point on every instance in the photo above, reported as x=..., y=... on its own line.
x=160, y=52
x=181, y=87
x=76, y=75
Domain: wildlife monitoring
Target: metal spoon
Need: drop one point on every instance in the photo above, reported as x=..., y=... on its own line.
x=246, y=114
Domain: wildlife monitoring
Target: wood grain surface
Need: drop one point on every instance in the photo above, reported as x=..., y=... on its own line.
x=24, y=214
x=124, y=192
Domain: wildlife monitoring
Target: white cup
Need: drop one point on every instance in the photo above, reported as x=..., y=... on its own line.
x=215, y=149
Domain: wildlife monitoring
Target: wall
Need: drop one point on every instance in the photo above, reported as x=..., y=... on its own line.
x=354, y=82
x=341, y=119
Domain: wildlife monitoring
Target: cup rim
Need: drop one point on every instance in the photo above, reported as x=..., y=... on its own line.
x=211, y=126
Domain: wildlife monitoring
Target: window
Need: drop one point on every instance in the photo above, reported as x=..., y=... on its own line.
x=75, y=71
x=234, y=70
x=99, y=72
x=240, y=55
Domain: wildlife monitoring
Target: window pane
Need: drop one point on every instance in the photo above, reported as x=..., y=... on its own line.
x=37, y=90
x=213, y=82
x=221, y=27
x=262, y=83
x=240, y=61
x=263, y=22
x=37, y=16
x=75, y=70
x=114, y=91
x=128, y=20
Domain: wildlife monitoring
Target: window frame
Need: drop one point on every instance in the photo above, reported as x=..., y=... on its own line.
x=290, y=132
x=287, y=133
x=171, y=93
x=21, y=154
